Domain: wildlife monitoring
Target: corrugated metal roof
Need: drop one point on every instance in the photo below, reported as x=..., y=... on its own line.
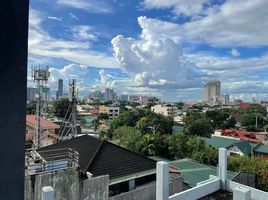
x=261, y=148
x=220, y=142
x=194, y=172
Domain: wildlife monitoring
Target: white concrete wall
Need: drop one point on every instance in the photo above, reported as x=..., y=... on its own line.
x=255, y=193
x=199, y=191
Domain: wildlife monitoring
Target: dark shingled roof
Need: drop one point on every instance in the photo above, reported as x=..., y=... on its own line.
x=101, y=157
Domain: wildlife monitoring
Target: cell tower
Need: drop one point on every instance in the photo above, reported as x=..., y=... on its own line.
x=40, y=75
x=68, y=128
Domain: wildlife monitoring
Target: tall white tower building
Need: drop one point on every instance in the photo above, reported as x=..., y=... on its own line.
x=212, y=92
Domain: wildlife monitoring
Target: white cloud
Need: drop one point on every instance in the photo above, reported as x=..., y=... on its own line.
x=91, y=6
x=83, y=32
x=235, y=52
x=241, y=22
x=79, y=71
x=230, y=67
x=154, y=60
x=59, y=19
x=42, y=44
x=73, y=16
x=179, y=7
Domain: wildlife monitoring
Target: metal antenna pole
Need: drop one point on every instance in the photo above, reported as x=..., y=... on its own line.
x=40, y=76
x=68, y=129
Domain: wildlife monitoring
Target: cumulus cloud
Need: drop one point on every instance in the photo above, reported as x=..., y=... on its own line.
x=155, y=60
x=43, y=44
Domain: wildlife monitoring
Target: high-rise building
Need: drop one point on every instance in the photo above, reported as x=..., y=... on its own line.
x=109, y=95
x=124, y=97
x=31, y=93
x=212, y=92
x=60, y=89
x=225, y=99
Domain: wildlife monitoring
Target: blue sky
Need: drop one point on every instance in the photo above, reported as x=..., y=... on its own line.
x=167, y=49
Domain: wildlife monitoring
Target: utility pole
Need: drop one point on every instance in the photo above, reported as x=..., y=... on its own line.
x=40, y=75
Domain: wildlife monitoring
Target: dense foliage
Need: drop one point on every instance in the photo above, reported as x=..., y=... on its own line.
x=176, y=146
x=251, y=165
x=60, y=107
x=144, y=120
x=31, y=107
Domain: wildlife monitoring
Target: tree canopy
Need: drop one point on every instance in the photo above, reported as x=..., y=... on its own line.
x=60, y=107
x=144, y=120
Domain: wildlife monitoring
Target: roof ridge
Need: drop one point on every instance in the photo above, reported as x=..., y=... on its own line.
x=96, y=152
x=138, y=154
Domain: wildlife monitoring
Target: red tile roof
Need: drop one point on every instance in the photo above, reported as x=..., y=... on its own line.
x=242, y=135
x=45, y=124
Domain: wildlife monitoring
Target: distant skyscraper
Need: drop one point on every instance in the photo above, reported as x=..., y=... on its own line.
x=212, y=92
x=124, y=97
x=109, y=94
x=31, y=93
x=60, y=89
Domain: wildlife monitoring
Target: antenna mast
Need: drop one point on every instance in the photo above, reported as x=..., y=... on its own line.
x=68, y=129
x=40, y=76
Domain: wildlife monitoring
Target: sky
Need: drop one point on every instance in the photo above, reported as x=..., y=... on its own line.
x=163, y=48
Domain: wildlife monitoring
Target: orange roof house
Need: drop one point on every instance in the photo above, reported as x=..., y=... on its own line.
x=48, y=130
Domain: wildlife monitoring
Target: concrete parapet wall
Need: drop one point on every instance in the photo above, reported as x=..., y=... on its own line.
x=67, y=186
x=148, y=192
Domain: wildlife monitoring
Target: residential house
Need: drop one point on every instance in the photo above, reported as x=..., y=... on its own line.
x=166, y=110
x=127, y=170
x=112, y=111
x=238, y=147
x=48, y=134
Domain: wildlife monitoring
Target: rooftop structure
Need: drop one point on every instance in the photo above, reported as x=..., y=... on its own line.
x=194, y=172
x=236, y=146
x=215, y=187
x=101, y=157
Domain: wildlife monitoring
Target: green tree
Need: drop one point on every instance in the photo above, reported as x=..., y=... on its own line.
x=251, y=165
x=102, y=116
x=143, y=120
x=180, y=105
x=200, y=127
x=60, y=107
x=218, y=117
x=31, y=107
x=148, y=147
x=208, y=155
x=177, y=147
x=128, y=137
x=95, y=124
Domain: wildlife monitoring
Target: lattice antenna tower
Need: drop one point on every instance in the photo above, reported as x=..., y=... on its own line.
x=40, y=76
x=68, y=129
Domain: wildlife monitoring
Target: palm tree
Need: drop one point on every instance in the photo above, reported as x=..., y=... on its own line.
x=147, y=145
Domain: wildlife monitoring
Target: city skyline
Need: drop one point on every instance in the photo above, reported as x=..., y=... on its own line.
x=167, y=49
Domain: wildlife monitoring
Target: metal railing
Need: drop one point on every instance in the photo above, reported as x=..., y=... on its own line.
x=50, y=160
